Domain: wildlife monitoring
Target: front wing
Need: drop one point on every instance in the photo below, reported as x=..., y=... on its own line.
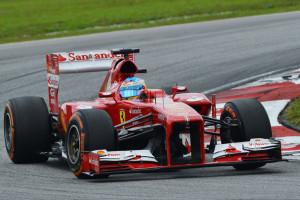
x=115, y=162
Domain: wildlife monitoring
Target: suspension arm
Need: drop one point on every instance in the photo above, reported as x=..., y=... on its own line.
x=212, y=121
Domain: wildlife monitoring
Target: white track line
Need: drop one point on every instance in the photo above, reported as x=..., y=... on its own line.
x=247, y=80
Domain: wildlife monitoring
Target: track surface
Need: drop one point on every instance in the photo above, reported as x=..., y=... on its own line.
x=201, y=55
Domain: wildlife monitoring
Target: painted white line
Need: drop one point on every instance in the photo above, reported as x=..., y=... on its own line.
x=273, y=109
x=290, y=140
x=292, y=157
x=290, y=76
x=246, y=80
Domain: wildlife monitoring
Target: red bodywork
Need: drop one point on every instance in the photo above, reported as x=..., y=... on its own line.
x=167, y=110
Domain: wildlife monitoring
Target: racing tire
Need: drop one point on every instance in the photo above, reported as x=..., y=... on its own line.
x=253, y=122
x=96, y=127
x=27, y=130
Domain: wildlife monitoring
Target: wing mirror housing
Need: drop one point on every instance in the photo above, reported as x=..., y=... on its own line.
x=178, y=89
x=105, y=94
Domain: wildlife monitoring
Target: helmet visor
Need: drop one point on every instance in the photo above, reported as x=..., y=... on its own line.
x=131, y=91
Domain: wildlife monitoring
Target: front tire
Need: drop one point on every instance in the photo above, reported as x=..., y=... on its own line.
x=95, y=126
x=253, y=123
x=27, y=129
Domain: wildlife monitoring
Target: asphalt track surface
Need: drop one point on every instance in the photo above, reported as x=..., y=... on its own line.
x=202, y=55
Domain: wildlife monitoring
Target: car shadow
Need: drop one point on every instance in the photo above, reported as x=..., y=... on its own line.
x=184, y=174
x=57, y=163
x=211, y=172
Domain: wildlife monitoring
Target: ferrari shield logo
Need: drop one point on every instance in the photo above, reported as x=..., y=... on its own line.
x=122, y=116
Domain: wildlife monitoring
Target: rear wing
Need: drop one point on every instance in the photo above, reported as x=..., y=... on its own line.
x=79, y=62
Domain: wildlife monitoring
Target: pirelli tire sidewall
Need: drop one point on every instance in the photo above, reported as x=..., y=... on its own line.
x=252, y=118
x=27, y=129
x=75, y=125
x=253, y=123
x=95, y=128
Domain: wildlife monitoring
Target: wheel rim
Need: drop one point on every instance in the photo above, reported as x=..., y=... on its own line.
x=231, y=134
x=8, y=132
x=73, y=145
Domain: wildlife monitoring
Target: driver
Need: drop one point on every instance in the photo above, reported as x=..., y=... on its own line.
x=132, y=87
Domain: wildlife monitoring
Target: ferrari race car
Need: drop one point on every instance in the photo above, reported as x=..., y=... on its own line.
x=131, y=128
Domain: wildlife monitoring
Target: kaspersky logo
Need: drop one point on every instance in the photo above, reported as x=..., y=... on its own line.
x=75, y=56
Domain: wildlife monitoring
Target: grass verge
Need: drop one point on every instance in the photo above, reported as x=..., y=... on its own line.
x=293, y=113
x=37, y=19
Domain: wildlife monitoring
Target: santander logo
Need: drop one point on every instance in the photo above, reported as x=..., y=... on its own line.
x=85, y=56
x=61, y=58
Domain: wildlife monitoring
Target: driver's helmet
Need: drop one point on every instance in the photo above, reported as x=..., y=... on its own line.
x=131, y=87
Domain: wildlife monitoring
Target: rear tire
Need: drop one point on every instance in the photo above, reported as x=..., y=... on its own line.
x=27, y=129
x=253, y=123
x=96, y=126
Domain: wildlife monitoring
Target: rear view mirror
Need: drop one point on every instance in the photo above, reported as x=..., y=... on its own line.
x=178, y=89
x=105, y=94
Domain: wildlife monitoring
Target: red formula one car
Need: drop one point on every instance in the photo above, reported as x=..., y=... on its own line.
x=131, y=128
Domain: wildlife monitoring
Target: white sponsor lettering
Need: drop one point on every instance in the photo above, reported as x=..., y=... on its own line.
x=135, y=111
x=131, y=156
x=53, y=80
x=259, y=142
x=87, y=56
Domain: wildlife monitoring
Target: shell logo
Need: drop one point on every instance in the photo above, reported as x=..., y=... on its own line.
x=101, y=152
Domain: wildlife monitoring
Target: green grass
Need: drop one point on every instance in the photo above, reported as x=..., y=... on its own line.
x=35, y=19
x=293, y=112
